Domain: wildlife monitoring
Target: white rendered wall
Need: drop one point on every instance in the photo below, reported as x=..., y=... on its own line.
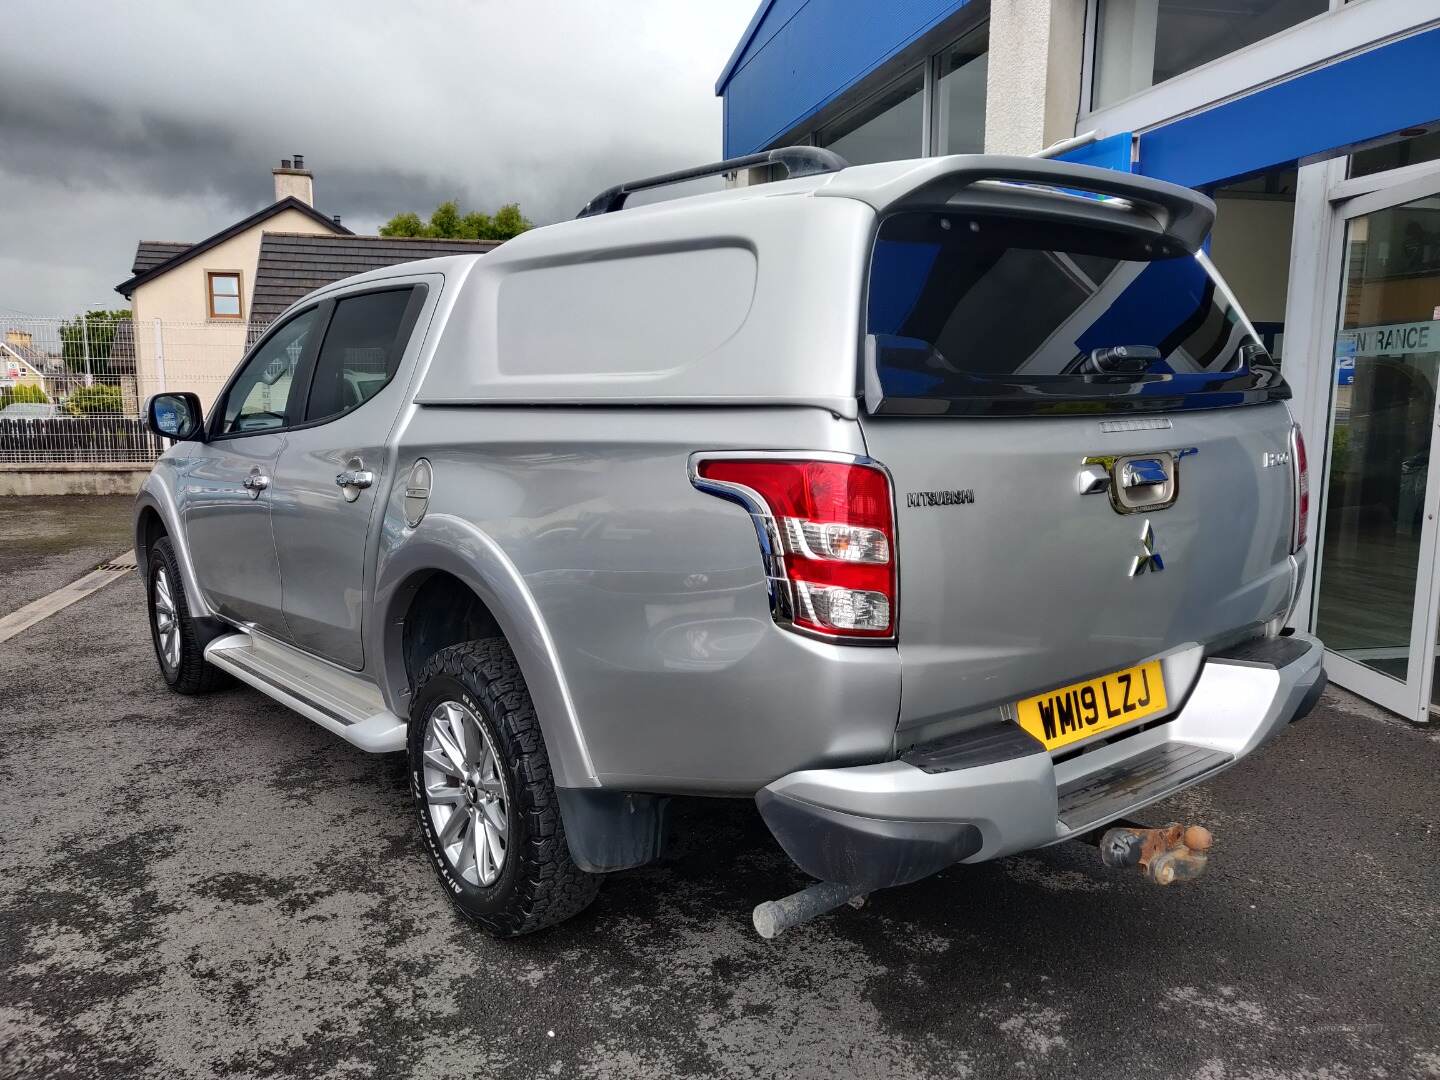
x=1032, y=92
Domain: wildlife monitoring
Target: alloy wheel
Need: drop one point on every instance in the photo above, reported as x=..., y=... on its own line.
x=167, y=621
x=465, y=793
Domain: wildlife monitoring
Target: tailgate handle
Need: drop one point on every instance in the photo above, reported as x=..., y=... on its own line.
x=1143, y=472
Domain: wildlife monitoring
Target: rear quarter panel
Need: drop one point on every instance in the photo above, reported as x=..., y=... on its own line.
x=650, y=593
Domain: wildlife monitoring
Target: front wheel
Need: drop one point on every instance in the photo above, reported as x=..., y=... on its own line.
x=488, y=810
x=177, y=639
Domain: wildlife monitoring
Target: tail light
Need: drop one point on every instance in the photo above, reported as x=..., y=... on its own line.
x=827, y=532
x=1300, y=466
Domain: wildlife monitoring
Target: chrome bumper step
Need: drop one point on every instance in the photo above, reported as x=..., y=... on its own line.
x=1134, y=782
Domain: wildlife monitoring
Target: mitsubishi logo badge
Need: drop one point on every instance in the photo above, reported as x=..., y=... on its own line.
x=1149, y=558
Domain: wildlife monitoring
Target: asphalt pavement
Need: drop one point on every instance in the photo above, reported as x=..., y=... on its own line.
x=196, y=887
x=47, y=542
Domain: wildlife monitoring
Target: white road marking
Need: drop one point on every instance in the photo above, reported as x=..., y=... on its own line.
x=32, y=613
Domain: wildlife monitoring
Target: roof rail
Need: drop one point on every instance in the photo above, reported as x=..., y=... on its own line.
x=798, y=161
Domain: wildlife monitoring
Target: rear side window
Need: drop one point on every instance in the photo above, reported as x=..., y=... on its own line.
x=362, y=349
x=982, y=315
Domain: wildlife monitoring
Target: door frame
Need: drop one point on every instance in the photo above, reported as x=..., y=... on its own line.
x=1345, y=201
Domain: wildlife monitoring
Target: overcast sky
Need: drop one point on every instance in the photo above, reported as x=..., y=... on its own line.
x=162, y=120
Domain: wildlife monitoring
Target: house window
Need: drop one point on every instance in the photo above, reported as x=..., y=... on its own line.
x=223, y=291
x=1144, y=42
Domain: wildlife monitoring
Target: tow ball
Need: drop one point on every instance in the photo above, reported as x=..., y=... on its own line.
x=1165, y=856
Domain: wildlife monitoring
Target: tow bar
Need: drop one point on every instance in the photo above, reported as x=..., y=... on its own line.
x=1165, y=856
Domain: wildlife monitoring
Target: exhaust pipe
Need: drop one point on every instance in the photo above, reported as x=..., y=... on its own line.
x=774, y=917
x=1165, y=856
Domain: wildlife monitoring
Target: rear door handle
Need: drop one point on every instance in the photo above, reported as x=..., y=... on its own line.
x=255, y=483
x=355, y=478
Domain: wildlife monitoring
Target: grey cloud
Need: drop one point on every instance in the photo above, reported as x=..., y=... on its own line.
x=123, y=122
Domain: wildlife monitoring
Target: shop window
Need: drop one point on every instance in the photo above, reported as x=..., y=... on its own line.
x=1250, y=246
x=1422, y=146
x=1143, y=42
x=960, y=95
x=888, y=127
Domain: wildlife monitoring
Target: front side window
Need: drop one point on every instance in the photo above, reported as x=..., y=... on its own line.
x=224, y=294
x=972, y=314
x=889, y=127
x=1143, y=42
x=264, y=396
x=361, y=351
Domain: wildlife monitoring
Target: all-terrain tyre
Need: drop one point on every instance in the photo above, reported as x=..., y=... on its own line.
x=483, y=790
x=179, y=644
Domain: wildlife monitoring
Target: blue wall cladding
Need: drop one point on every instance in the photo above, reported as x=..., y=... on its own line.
x=1313, y=115
x=797, y=56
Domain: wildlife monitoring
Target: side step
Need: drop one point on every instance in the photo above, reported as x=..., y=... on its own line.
x=1126, y=785
x=337, y=700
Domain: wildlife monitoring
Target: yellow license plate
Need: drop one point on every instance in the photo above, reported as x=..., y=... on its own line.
x=1060, y=717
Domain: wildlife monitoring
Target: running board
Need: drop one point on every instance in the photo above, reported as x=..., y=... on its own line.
x=1134, y=782
x=337, y=700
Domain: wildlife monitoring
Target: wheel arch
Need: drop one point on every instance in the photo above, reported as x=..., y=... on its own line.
x=156, y=515
x=446, y=553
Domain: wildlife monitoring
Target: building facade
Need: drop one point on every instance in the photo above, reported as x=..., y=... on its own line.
x=1314, y=124
x=197, y=307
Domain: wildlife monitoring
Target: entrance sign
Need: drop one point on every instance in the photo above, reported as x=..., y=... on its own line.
x=1393, y=339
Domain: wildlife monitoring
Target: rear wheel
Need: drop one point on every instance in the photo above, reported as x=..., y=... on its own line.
x=177, y=640
x=488, y=810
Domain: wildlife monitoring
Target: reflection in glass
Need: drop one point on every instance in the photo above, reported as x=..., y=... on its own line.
x=887, y=128
x=1387, y=362
x=1144, y=42
x=1396, y=155
x=960, y=100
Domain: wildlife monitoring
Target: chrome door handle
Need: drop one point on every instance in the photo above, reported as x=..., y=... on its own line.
x=355, y=478
x=256, y=482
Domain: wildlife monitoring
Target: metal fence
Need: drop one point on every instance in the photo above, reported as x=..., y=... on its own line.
x=72, y=390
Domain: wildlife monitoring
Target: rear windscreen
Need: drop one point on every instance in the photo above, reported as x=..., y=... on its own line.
x=975, y=315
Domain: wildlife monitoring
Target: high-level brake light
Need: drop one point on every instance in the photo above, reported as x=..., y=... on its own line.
x=830, y=530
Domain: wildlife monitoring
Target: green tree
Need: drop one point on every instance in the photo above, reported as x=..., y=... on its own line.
x=406, y=224
x=448, y=222
x=101, y=342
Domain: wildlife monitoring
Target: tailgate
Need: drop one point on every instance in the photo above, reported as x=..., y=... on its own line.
x=1013, y=582
x=1088, y=443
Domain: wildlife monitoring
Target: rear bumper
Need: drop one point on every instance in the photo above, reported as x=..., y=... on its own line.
x=999, y=792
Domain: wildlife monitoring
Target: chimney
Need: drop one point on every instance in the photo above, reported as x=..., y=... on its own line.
x=294, y=179
x=22, y=338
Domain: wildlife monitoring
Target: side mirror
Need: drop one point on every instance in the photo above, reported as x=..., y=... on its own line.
x=175, y=416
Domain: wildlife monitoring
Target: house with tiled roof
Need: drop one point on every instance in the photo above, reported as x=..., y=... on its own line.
x=198, y=305
x=293, y=264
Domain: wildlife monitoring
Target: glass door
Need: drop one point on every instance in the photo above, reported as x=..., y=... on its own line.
x=1376, y=591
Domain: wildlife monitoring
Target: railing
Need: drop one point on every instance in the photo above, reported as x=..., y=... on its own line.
x=78, y=387
x=77, y=438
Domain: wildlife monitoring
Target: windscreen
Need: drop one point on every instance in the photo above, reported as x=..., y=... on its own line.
x=976, y=315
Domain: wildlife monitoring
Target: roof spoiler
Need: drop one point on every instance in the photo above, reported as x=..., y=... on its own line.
x=798, y=161
x=1178, y=213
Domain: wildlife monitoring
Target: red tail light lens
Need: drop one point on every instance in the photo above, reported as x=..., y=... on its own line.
x=830, y=532
x=1301, y=467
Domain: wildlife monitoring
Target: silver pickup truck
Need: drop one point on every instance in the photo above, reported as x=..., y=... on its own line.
x=946, y=508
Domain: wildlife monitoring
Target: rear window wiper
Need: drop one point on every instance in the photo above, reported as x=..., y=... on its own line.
x=1118, y=360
